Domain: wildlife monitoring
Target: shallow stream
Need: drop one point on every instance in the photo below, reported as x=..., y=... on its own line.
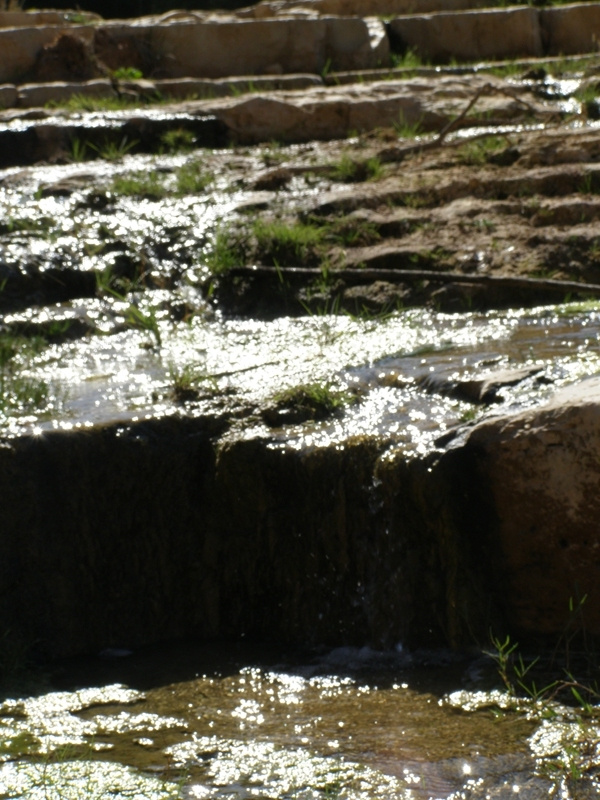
x=205, y=722
x=348, y=723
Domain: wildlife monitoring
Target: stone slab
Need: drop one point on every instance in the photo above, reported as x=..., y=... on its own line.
x=20, y=47
x=345, y=8
x=217, y=49
x=8, y=96
x=470, y=35
x=35, y=95
x=568, y=30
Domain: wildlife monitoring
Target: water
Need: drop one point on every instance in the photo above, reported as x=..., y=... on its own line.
x=349, y=723
x=206, y=722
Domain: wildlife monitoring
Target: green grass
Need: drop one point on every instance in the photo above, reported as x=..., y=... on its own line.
x=349, y=170
x=227, y=251
x=191, y=178
x=178, y=140
x=186, y=381
x=316, y=400
x=478, y=153
x=407, y=130
x=279, y=242
x=140, y=184
x=111, y=150
x=82, y=102
x=39, y=225
x=20, y=392
x=409, y=60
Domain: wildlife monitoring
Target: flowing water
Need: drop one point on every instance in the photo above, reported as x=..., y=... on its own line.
x=204, y=722
x=215, y=722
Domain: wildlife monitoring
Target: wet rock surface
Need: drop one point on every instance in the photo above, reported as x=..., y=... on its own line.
x=245, y=336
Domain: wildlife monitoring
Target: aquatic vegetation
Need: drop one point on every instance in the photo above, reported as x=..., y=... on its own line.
x=280, y=242
x=141, y=320
x=409, y=60
x=226, y=251
x=79, y=150
x=83, y=102
x=191, y=178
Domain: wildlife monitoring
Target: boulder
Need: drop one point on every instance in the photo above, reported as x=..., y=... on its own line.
x=21, y=47
x=470, y=35
x=324, y=114
x=542, y=471
x=570, y=29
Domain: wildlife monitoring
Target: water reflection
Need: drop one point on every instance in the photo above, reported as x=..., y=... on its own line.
x=353, y=723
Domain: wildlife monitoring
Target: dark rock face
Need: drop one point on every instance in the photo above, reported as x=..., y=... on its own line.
x=121, y=536
x=124, y=535
x=67, y=58
x=543, y=472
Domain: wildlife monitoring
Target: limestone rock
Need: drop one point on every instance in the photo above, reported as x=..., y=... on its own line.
x=68, y=57
x=20, y=47
x=8, y=95
x=216, y=48
x=381, y=8
x=323, y=114
x=570, y=29
x=469, y=35
x=32, y=95
x=543, y=472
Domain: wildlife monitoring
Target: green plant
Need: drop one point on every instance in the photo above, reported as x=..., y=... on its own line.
x=127, y=74
x=185, y=381
x=19, y=391
x=226, y=251
x=478, y=152
x=143, y=321
x=409, y=60
x=192, y=178
x=139, y=184
x=589, y=184
x=78, y=150
x=347, y=169
x=178, y=140
x=317, y=400
x=407, y=130
x=327, y=67
x=111, y=150
x=277, y=239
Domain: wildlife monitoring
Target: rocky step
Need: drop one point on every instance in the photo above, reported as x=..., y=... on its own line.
x=190, y=44
x=156, y=530
x=315, y=112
